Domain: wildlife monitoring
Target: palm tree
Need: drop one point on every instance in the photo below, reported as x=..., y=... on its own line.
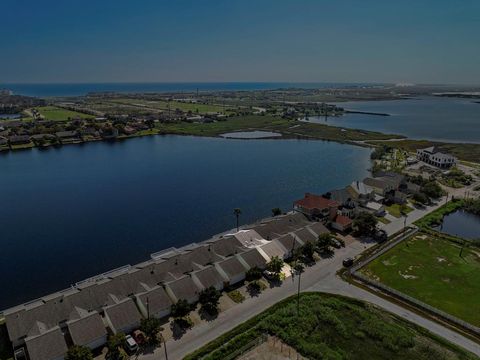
x=237, y=212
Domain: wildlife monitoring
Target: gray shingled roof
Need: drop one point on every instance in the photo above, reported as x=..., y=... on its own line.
x=288, y=242
x=209, y=276
x=232, y=267
x=305, y=235
x=253, y=258
x=281, y=225
x=183, y=288
x=86, y=329
x=157, y=300
x=318, y=228
x=226, y=246
x=274, y=248
x=123, y=314
x=47, y=346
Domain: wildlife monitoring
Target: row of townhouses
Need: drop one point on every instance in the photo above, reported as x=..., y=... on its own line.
x=116, y=301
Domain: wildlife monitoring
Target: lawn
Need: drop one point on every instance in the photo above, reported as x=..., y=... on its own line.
x=396, y=210
x=58, y=114
x=335, y=327
x=289, y=128
x=185, y=106
x=430, y=269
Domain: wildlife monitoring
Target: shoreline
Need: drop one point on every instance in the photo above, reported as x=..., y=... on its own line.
x=287, y=133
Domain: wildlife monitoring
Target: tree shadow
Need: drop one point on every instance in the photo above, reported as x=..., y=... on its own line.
x=179, y=327
x=207, y=315
x=327, y=254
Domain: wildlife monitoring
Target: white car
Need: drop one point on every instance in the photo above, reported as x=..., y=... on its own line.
x=131, y=344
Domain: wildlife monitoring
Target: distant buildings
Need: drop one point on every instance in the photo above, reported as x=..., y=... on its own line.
x=433, y=156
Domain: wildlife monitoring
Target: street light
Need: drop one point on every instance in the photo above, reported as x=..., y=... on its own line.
x=299, y=269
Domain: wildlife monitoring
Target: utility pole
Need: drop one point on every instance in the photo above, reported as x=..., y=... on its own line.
x=164, y=346
x=148, y=308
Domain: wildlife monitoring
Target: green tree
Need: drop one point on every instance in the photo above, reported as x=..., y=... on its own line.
x=324, y=242
x=420, y=198
x=237, y=212
x=181, y=309
x=365, y=224
x=209, y=299
x=151, y=326
x=77, y=352
x=275, y=266
x=308, y=250
x=432, y=190
x=254, y=273
x=115, y=344
x=276, y=211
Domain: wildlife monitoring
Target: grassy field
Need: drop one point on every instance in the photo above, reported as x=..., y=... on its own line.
x=396, y=210
x=430, y=269
x=185, y=106
x=289, y=128
x=58, y=114
x=467, y=152
x=335, y=327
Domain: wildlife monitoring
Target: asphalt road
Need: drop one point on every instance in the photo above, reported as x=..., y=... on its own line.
x=320, y=277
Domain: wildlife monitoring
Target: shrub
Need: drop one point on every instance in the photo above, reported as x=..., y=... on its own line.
x=236, y=296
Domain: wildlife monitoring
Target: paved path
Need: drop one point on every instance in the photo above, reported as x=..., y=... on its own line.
x=320, y=277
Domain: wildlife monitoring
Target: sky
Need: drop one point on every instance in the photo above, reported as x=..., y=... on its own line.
x=408, y=41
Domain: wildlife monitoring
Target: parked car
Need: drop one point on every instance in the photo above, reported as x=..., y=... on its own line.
x=139, y=337
x=336, y=244
x=347, y=262
x=130, y=344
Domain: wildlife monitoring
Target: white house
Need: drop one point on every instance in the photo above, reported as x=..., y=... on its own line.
x=433, y=156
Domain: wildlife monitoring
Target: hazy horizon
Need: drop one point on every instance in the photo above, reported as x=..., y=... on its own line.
x=428, y=42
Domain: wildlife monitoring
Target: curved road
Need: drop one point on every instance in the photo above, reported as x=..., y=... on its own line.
x=320, y=277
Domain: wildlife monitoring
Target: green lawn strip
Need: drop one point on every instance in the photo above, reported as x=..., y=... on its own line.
x=236, y=123
x=396, y=210
x=466, y=152
x=435, y=217
x=432, y=271
x=383, y=220
x=184, y=106
x=59, y=114
x=335, y=327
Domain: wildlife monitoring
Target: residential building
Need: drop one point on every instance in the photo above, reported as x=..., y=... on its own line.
x=123, y=316
x=155, y=303
x=342, y=223
x=316, y=207
x=433, y=156
x=46, y=344
x=87, y=329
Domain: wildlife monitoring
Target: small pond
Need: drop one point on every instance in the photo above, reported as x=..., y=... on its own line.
x=461, y=223
x=9, y=116
x=257, y=134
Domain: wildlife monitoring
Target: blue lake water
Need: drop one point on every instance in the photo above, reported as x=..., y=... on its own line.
x=461, y=223
x=76, y=211
x=9, y=116
x=430, y=118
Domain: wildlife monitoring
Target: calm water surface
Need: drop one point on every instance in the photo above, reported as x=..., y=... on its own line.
x=461, y=223
x=257, y=134
x=430, y=118
x=79, y=210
